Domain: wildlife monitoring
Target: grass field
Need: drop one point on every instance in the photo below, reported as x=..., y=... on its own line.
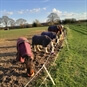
x=15, y=33
x=71, y=65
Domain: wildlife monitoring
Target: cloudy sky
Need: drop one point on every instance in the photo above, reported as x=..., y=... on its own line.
x=40, y=9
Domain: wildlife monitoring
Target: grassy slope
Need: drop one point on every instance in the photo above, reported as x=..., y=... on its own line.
x=71, y=68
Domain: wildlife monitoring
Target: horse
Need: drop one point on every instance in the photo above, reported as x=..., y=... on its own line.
x=25, y=55
x=42, y=40
x=56, y=29
x=62, y=32
x=49, y=34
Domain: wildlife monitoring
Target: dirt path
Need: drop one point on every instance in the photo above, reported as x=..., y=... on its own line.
x=14, y=74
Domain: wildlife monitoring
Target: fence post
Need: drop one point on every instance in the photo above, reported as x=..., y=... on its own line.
x=49, y=75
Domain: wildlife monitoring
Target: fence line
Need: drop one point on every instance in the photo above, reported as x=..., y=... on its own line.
x=46, y=68
x=65, y=39
x=38, y=71
x=49, y=70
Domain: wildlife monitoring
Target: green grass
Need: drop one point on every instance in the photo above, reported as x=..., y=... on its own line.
x=71, y=68
x=15, y=33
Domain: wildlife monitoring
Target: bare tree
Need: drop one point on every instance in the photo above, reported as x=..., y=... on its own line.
x=21, y=21
x=12, y=22
x=52, y=18
x=7, y=21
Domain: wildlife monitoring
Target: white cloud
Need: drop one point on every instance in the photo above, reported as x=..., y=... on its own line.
x=35, y=10
x=57, y=11
x=82, y=16
x=68, y=14
x=44, y=8
x=21, y=12
x=74, y=15
x=6, y=13
x=65, y=14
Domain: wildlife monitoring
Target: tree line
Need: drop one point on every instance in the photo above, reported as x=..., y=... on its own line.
x=53, y=19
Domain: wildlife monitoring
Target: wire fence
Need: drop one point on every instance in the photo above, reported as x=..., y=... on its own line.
x=38, y=71
x=44, y=66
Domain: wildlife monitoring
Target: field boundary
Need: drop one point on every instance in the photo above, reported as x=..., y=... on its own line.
x=44, y=67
